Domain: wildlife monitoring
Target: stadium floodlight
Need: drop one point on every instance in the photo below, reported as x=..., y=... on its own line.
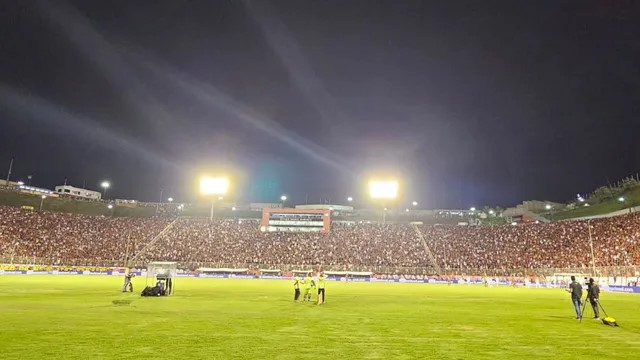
x=472, y=208
x=42, y=201
x=233, y=208
x=386, y=189
x=214, y=186
x=170, y=199
x=20, y=183
x=491, y=212
x=621, y=199
x=283, y=198
x=105, y=185
x=349, y=199
x=109, y=206
x=548, y=206
x=407, y=210
x=415, y=203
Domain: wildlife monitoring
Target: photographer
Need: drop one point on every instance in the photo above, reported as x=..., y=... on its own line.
x=576, y=294
x=593, y=294
x=127, y=282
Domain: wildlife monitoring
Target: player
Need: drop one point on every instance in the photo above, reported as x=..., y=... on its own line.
x=321, y=285
x=296, y=288
x=308, y=284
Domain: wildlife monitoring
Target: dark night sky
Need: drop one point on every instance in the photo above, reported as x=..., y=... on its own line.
x=472, y=102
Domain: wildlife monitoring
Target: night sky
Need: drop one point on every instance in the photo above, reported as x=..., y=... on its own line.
x=469, y=102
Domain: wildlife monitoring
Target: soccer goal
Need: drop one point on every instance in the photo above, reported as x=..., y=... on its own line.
x=162, y=274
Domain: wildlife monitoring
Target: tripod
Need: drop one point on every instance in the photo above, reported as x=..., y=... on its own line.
x=598, y=305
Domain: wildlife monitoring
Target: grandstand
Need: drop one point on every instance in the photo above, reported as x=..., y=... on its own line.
x=51, y=238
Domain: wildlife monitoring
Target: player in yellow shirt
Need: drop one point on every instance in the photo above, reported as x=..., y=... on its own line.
x=308, y=284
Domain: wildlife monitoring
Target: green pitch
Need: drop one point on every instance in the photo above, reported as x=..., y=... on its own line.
x=73, y=317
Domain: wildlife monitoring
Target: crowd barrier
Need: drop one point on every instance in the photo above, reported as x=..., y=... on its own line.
x=610, y=288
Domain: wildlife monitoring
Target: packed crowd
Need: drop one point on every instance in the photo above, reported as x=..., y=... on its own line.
x=565, y=244
x=62, y=238
x=68, y=239
x=241, y=242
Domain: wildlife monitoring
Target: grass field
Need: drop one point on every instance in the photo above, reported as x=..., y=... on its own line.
x=73, y=317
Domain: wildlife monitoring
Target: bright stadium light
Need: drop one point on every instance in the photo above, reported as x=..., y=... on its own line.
x=42, y=201
x=20, y=183
x=349, y=199
x=407, y=210
x=415, y=203
x=472, y=209
x=170, y=199
x=621, y=199
x=214, y=186
x=283, y=198
x=548, y=206
x=491, y=212
x=233, y=208
x=110, y=206
x=383, y=189
x=105, y=185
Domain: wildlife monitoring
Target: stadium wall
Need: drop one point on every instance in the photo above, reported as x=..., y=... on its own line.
x=470, y=281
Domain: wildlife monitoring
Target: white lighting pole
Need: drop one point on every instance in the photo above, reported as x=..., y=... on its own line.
x=42, y=201
x=283, y=198
x=593, y=257
x=105, y=185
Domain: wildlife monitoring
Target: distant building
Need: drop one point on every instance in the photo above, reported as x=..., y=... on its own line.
x=260, y=206
x=68, y=190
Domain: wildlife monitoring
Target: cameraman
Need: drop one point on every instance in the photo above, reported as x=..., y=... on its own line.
x=593, y=294
x=127, y=282
x=576, y=294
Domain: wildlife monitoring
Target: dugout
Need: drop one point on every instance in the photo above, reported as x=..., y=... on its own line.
x=163, y=273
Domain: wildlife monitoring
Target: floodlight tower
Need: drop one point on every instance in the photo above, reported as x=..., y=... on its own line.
x=383, y=190
x=214, y=187
x=105, y=185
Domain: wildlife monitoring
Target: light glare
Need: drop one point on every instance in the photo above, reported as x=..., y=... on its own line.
x=214, y=186
x=383, y=189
